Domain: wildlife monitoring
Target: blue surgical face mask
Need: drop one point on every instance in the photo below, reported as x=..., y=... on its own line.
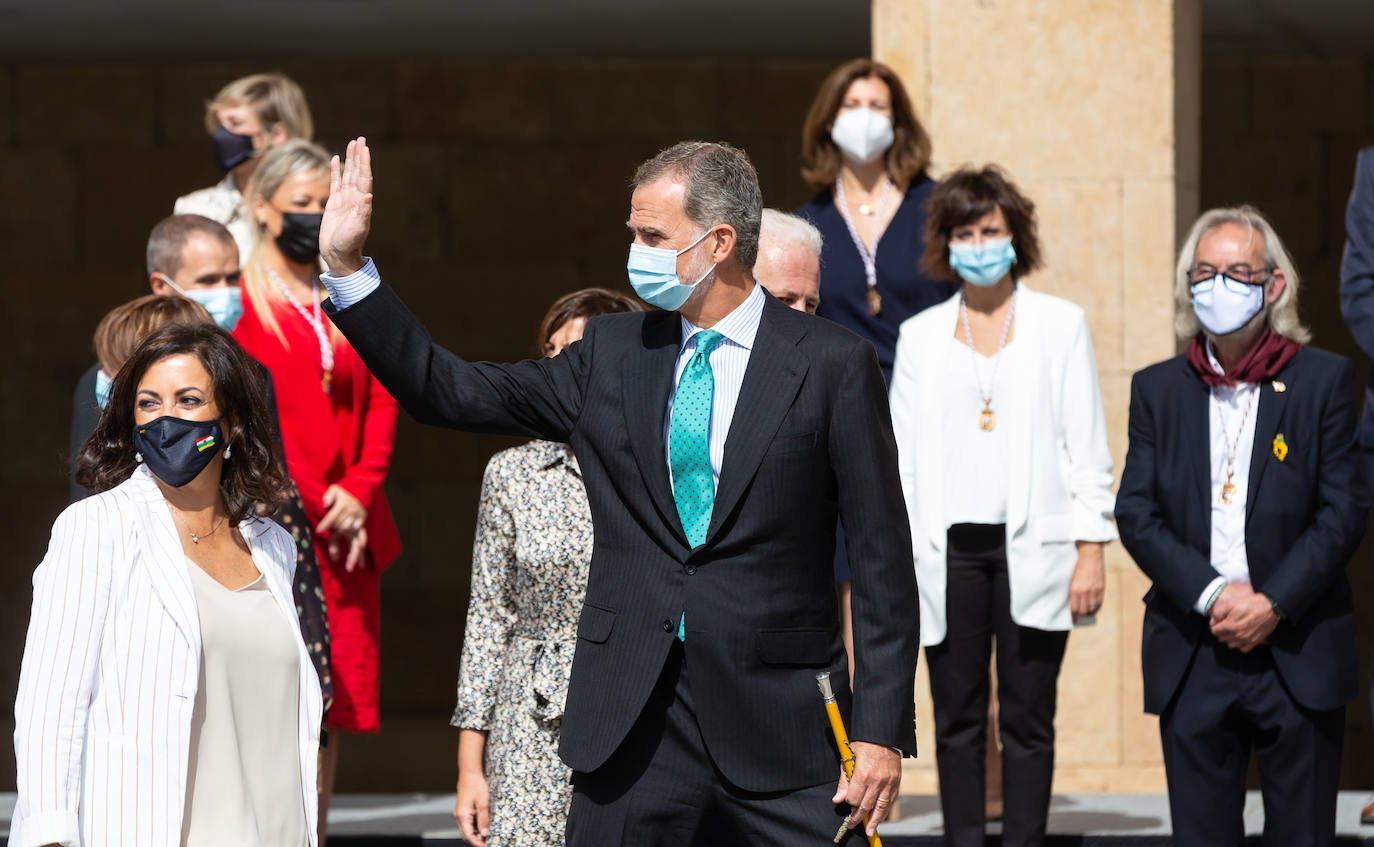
x=102, y=388
x=653, y=275
x=225, y=303
x=983, y=264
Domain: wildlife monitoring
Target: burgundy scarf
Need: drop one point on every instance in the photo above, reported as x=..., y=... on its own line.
x=1270, y=353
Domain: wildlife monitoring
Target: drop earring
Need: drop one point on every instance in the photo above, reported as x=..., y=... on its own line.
x=227, y=451
x=138, y=457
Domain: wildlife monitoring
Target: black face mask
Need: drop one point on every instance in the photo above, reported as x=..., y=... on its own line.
x=300, y=236
x=231, y=149
x=177, y=450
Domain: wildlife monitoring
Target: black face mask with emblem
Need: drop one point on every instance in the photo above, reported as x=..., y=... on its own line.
x=177, y=450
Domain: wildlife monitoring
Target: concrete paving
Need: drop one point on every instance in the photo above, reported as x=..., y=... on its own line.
x=1080, y=820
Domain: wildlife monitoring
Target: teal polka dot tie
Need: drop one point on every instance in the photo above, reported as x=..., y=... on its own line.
x=689, y=451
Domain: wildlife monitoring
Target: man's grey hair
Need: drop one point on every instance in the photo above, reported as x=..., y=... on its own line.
x=721, y=188
x=1283, y=314
x=169, y=238
x=780, y=229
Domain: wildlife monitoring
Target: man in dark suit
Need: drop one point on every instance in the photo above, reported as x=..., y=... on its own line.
x=719, y=441
x=1241, y=501
x=1357, y=307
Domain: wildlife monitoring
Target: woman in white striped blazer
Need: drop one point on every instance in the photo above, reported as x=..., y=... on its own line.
x=165, y=696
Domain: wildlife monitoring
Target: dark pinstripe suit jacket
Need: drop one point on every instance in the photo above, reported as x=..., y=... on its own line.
x=811, y=440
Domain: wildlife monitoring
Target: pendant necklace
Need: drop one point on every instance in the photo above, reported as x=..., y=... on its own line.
x=868, y=257
x=1228, y=489
x=196, y=537
x=316, y=321
x=987, y=419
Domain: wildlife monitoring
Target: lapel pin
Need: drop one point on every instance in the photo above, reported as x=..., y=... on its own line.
x=1279, y=386
x=1280, y=447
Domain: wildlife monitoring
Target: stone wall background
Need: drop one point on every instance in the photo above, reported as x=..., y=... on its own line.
x=500, y=186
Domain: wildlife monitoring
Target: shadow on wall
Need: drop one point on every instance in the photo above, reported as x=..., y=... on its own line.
x=1281, y=133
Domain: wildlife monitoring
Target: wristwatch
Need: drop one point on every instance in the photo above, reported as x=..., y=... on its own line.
x=1278, y=610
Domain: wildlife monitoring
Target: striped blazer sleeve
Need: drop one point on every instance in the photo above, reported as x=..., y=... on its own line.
x=57, y=679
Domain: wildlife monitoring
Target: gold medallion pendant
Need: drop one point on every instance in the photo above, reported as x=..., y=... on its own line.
x=875, y=302
x=1228, y=494
x=987, y=419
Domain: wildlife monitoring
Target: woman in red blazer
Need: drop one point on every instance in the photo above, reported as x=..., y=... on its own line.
x=338, y=423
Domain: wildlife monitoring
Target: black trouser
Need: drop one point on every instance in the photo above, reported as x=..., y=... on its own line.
x=978, y=609
x=661, y=789
x=1228, y=704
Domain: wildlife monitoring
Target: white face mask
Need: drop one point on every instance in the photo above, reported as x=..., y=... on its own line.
x=862, y=134
x=1223, y=305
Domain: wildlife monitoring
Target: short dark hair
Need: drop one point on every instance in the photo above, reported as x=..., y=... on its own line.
x=585, y=303
x=967, y=195
x=169, y=236
x=256, y=476
x=721, y=185
x=910, y=152
x=125, y=326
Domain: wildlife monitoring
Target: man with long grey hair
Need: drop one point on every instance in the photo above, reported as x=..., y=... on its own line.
x=719, y=438
x=1241, y=502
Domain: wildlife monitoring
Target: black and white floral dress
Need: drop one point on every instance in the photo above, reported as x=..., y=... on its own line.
x=529, y=575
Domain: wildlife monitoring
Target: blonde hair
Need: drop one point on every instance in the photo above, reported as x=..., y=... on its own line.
x=275, y=98
x=125, y=326
x=277, y=165
x=1283, y=312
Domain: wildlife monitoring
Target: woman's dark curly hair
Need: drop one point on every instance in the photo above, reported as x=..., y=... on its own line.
x=966, y=196
x=254, y=476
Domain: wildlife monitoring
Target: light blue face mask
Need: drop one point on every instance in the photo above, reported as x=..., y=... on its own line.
x=102, y=388
x=653, y=275
x=225, y=304
x=983, y=264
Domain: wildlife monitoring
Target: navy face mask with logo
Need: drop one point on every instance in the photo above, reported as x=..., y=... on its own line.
x=177, y=450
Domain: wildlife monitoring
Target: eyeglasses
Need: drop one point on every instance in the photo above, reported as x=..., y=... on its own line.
x=1202, y=278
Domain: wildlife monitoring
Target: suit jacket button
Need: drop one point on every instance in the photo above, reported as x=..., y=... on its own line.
x=691, y=570
x=667, y=625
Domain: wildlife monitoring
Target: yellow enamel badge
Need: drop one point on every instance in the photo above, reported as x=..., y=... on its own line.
x=1280, y=447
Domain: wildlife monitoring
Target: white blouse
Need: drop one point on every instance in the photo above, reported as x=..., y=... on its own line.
x=973, y=453
x=244, y=785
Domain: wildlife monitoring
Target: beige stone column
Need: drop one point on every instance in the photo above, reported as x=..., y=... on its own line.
x=1092, y=108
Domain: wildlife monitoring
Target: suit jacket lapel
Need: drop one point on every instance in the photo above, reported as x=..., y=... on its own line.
x=1197, y=434
x=648, y=381
x=1019, y=402
x=1267, y=419
x=162, y=555
x=771, y=381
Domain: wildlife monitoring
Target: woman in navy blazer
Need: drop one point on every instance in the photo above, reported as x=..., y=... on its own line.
x=165, y=695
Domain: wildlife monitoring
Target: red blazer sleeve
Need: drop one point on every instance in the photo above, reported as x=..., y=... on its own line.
x=377, y=429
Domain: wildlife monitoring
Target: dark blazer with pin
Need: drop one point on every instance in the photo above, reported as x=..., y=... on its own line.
x=1305, y=515
x=811, y=440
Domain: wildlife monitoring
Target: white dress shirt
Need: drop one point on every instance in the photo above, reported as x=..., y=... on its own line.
x=728, y=358
x=1231, y=417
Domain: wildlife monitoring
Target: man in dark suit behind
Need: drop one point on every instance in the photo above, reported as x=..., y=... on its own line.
x=1357, y=307
x=719, y=442
x=1241, y=501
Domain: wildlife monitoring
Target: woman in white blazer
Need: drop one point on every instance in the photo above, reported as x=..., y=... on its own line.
x=1003, y=452
x=165, y=695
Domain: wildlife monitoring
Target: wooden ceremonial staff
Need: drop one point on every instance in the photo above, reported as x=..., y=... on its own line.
x=832, y=711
